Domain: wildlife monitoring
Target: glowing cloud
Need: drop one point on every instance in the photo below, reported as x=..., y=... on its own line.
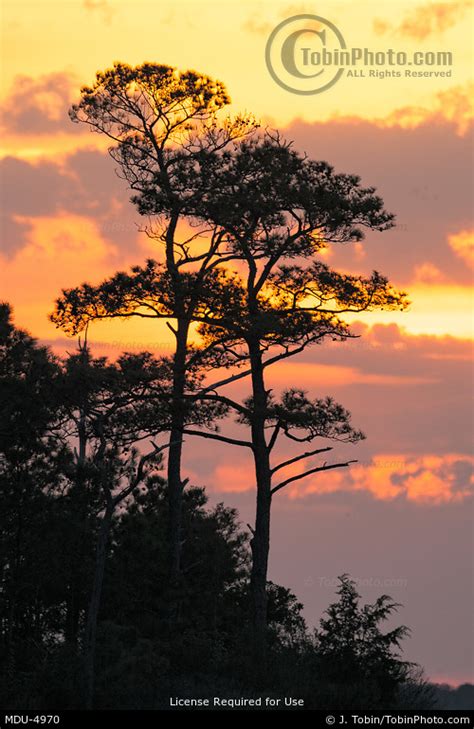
x=429, y=479
x=425, y=20
x=462, y=244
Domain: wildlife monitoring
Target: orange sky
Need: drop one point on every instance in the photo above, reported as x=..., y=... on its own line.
x=67, y=219
x=51, y=48
x=226, y=39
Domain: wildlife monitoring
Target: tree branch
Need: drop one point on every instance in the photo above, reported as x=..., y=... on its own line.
x=274, y=436
x=224, y=400
x=227, y=381
x=298, y=458
x=216, y=436
x=140, y=473
x=308, y=473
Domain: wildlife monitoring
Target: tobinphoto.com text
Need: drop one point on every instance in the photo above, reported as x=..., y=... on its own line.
x=307, y=54
x=216, y=702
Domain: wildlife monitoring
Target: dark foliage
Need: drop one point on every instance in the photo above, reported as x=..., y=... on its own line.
x=51, y=520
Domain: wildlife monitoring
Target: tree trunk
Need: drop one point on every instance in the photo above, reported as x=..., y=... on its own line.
x=260, y=543
x=94, y=606
x=175, y=484
x=72, y=615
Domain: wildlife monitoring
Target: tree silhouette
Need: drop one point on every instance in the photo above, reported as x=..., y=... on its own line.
x=33, y=465
x=279, y=210
x=354, y=652
x=263, y=204
x=107, y=409
x=160, y=122
x=69, y=447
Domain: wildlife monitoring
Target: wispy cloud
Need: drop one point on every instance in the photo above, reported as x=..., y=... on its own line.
x=425, y=21
x=257, y=25
x=462, y=244
x=100, y=6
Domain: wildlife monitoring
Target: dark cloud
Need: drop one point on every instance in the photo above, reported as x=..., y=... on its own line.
x=11, y=232
x=31, y=190
x=413, y=169
x=460, y=474
x=40, y=105
x=424, y=176
x=431, y=417
x=36, y=189
x=84, y=184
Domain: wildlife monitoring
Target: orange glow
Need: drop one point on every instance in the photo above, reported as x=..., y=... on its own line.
x=427, y=479
x=35, y=58
x=63, y=251
x=463, y=245
x=435, y=309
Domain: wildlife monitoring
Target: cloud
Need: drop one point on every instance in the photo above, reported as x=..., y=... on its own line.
x=411, y=166
x=297, y=9
x=432, y=19
x=59, y=251
x=423, y=173
x=420, y=554
x=427, y=20
x=258, y=26
x=83, y=184
x=38, y=106
x=337, y=375
x=435, y=417
x=419, y=437
x=380, y=27
x=100, y=6
x=428, y=479
x=228, y=479
x=462, y=244
x=428, y=273
x=29, y=191
x=69, y=242
x=453, y=105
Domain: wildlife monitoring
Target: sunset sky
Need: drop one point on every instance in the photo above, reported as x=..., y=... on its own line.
x=401, y=519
